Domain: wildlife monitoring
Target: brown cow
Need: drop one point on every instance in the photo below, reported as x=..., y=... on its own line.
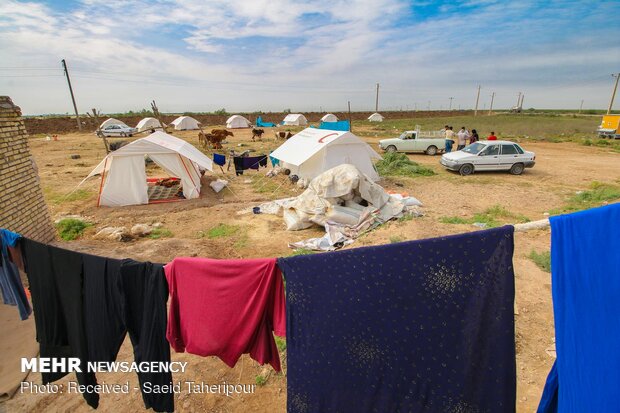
x=283, y=135
x=257, y=133
x=207, y=139
x=221, y=132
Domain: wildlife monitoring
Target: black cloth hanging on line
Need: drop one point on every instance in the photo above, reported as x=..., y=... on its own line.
x=55, y=277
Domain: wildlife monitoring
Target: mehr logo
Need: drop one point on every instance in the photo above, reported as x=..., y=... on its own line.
x=51, y=365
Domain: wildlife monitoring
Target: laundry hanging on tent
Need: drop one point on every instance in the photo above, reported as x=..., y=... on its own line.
x=56, y=278
x=219, y=159
x=585, y=282
x=11, y=286
x=419, y=326
x=226, y=308
x=274, y=162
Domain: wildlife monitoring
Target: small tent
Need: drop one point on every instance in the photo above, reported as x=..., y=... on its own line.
x=329, y=118
x=148, y=124
x=185, y=123
x=295, y=119
x=112, y=121
x=123, y=172
x=375, y=117
x=237, y=121
x=313, y=151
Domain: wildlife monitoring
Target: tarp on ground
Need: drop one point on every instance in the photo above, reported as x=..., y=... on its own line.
x=261, y=124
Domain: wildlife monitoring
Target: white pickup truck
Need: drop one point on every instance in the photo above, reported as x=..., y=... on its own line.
x=415, y=141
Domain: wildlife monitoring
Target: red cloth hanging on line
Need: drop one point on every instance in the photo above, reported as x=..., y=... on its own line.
x=226, y=308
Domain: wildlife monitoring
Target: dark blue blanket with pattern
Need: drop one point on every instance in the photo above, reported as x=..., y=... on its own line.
x=420, y=326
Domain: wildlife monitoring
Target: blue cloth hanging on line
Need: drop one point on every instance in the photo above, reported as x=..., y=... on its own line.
x=274, y=161
x=585, y=282
x=420, y=326
x=219, y=159
x=11, y=286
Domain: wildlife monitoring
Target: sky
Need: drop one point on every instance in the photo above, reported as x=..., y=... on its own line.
x=313, y=55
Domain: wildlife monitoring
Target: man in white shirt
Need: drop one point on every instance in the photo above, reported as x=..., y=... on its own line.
x=463, y=135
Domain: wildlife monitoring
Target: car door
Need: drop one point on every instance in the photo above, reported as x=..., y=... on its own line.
x=509, y=156
x=488, y=158
x=408, y=142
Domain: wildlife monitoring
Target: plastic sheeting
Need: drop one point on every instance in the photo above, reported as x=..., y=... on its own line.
x=342, y=125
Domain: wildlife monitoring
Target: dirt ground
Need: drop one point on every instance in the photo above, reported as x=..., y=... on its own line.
x=560, y=171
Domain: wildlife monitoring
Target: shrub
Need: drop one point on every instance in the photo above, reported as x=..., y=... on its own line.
x=71, y=228
x=398, y=164
x=158, y=233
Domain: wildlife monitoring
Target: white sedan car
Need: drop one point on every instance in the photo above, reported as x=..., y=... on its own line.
x=118, y=130
x=489, y=156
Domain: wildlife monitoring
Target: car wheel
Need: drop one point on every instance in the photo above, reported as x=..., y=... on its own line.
x=391, y=149
x=131, y=135
x=123, y=134
x=466, y=169
x=431, y=150
x=517, y=169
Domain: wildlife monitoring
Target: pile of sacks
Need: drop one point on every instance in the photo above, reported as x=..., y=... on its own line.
x=345, y=202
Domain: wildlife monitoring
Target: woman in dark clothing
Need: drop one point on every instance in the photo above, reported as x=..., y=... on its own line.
x=474, y=136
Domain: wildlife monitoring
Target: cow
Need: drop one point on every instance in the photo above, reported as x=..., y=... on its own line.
x=283, y=135
x=221, y=132
x=209, y=139
x=257, y=133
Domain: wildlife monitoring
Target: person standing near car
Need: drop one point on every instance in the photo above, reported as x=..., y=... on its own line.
x=449, y=138
x=463, y=135
x=474, y=137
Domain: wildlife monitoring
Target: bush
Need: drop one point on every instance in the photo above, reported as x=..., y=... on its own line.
x=221, y=112
x=158, y=233
x=398, y=164
x=71, y=228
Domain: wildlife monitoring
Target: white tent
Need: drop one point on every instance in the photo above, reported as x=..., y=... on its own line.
x=329, y=118
x=147, y=124
x=375, y=117
x=185, y=123
x=112, y=121
x=295, y=119
x=237, y=121
x=313, y=151
x=123, y=171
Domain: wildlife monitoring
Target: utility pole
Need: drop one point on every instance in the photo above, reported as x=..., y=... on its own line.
x=491, y=107
x=377, y=99
x=450, y=103
x=581, y=106
x=477, y=99
x=613, y=94
x=350, y=123
x=77, y=115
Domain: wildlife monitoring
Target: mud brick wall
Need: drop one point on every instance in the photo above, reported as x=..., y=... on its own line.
x=22, y=207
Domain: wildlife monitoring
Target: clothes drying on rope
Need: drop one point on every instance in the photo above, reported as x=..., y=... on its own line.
x=226, y=308
x=84, y=306
x=420, y=326
x=585, y=282
x=219, y=159
x=56, y=278
x=11, y=286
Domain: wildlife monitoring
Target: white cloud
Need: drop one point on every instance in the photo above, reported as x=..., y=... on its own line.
x=272, y=54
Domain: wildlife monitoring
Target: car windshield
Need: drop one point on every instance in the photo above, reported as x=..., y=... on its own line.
x=474, y=148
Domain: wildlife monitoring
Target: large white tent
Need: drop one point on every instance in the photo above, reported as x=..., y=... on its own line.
x=237, y=121
x=313, y=151
x=112, y=121
x=147, y=124
x=123, y=173
x=329, y=118
x=375, y=117
x=295, y=119
x=185, y=123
